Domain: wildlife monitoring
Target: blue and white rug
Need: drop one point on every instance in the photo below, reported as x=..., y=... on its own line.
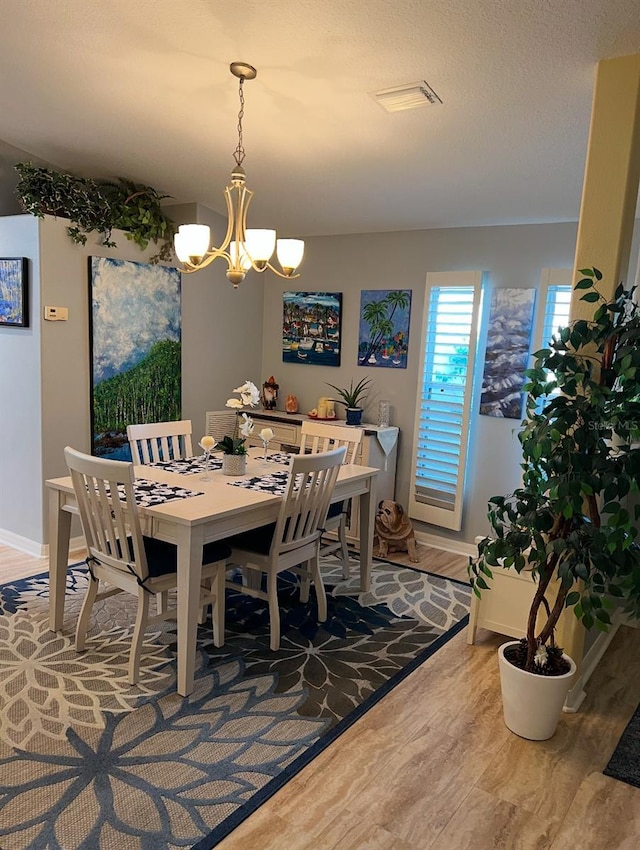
x=88, y=762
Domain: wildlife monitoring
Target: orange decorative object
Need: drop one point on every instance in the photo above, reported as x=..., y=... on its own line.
x=291, y=404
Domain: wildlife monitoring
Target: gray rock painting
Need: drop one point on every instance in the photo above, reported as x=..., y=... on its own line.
x=507, y=352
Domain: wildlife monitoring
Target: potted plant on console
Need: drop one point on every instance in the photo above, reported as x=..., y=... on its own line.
x=352, y=399
x=567, y=523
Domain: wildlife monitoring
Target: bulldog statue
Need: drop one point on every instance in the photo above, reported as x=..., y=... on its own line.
x=394, y=530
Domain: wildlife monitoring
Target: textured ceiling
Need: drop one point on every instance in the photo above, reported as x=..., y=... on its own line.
x=141, y=88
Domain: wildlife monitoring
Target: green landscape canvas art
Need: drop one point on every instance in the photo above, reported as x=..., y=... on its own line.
x=135, y=349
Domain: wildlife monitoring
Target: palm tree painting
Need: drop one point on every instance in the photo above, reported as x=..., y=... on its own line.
x=384, y=328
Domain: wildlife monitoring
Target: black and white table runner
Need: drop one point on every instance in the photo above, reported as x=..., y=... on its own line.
x=276, y=457
x=149, y=493
x=189, y=465
x=272, y=482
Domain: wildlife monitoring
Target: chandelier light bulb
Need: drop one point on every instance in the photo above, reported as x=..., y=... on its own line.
x=192, y=240
x=290, y=253
x=260, y=244
x=245, y=261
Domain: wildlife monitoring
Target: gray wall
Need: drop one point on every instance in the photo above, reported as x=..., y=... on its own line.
x=222, y=341
x=221, y=327
x=20, y=404
x=513, y=256
x=233, y=335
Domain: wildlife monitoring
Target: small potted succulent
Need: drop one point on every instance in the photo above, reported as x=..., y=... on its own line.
x=569, y=523
x=352, y=399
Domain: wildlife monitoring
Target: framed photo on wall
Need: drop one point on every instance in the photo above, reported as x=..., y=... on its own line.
x=14, y=292
x=135, y=350
x=311, y=328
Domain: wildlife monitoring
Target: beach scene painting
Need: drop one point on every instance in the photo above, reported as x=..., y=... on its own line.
x=507, y=352
x=311, y=325
x=384, y=328
x=135, y=349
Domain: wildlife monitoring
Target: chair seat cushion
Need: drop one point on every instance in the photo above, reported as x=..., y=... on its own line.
x=335, y=509
x=256, y=540
x=162, y=557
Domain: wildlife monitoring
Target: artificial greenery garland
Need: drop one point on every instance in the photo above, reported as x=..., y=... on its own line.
x=99, y=205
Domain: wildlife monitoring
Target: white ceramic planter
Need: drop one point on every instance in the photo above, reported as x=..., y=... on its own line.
x=532, y=704
x=234, y=464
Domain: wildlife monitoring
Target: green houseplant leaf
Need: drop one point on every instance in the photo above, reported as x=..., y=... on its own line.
x=353, y=396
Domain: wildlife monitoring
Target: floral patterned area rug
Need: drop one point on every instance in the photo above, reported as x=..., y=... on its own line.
x=88, y=762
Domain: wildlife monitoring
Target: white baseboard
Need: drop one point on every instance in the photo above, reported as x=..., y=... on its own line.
x=33, y=548
x=456, y=547
x=22, y=544
x=589, y=663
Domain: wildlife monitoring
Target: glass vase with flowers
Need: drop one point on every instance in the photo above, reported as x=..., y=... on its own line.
x=233, y=448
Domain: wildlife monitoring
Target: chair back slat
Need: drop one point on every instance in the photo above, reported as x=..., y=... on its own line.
x=321, y=437
x=160, y=441
x=220, y=423
x=306, y=499
x=108, y=511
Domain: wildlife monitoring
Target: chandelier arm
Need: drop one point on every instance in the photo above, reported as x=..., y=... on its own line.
x=279, y=273
x=230, y=221
x=208, y=258
x=244, y=199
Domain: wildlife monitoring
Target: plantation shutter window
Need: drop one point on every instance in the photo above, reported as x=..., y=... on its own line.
x=556, y=300
x=444, y=397
x=556, y=297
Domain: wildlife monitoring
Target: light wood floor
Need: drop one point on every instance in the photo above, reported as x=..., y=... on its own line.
x=433, y=766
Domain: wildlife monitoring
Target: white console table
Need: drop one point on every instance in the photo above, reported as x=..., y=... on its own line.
x=378, y=448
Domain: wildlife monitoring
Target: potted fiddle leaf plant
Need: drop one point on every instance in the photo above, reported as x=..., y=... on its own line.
x=569, y=523
x=352, y=398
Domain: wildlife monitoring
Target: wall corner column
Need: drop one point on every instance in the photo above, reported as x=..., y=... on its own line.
x=611, y=177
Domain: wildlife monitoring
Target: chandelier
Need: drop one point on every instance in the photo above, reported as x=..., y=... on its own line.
x=242, y=249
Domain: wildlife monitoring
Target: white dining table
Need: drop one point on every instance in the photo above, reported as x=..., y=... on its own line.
x=220, y=512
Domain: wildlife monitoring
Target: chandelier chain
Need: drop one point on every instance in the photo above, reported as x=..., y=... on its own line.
x=239, y=152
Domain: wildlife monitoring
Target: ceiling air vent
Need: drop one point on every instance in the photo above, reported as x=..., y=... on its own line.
x=408, y=96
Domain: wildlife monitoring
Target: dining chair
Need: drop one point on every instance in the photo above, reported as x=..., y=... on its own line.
x=126, y=560
x=160, y=441
x=320, y=437
x=293, y=541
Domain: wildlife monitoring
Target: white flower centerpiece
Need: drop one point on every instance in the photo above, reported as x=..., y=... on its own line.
x=233, y=447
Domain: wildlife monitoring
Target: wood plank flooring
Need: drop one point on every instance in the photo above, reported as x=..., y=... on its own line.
x=432, y=765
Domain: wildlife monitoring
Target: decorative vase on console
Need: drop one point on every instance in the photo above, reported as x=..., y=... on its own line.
x=291, y=404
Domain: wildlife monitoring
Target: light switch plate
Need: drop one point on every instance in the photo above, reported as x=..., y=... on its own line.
x=56, y=314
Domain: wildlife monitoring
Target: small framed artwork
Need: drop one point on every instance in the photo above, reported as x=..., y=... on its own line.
x=311, y=324
x=14, y=292
x=384, y=328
